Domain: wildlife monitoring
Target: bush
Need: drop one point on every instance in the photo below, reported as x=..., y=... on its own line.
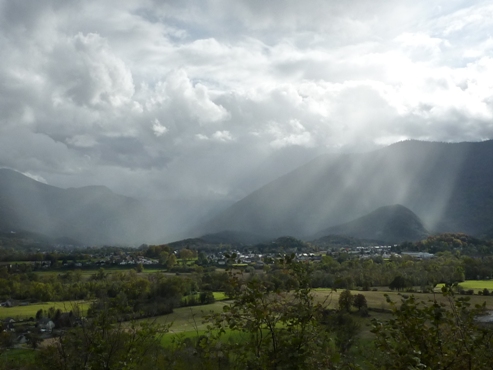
x=345, y=301
x=359, y=301
x=432, y=335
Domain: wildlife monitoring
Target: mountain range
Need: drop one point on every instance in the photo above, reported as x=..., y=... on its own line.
x=91, y=214
x=396, y=193
x=449, y=186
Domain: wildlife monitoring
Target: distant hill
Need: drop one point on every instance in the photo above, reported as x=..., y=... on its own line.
x=233, y=238
x=26, y=240
x=448, y=185
x=393, y=224
x=341, y=241
x=91, y=214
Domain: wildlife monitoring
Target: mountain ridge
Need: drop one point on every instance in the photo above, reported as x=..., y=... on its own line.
x=448, y=185
x=392, y=224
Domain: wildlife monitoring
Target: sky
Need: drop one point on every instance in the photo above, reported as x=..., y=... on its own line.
x=214, y=98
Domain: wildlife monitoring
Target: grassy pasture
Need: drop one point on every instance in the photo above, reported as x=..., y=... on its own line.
x=14, y=357
x=23, y=312
x=153, y=270
x=87, y=273
x=188, y=322
x=189, y=319
x=476, y=285
x=378, y=300
x=220, y=296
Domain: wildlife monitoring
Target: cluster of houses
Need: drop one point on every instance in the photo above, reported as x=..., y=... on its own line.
x=219, y=258
x=256, y=259
x=120, y=259
x=384, y=251
x=21, y=331
x=261, y=259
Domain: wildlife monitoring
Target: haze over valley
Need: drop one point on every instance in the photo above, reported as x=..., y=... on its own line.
x=149, y=122
x=399, y=193
x=217, y=184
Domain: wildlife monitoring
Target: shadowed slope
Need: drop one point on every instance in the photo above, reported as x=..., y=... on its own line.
x=389, y=224
x=449, y=186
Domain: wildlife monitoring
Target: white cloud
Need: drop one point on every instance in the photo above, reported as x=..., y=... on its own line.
x=82, y=141
x=158, y=128
x=223, y=136
x=292, y=133
x=201, y=137
x=98, y=90
x=192, y=100
x=35, y=177
x=87, y=72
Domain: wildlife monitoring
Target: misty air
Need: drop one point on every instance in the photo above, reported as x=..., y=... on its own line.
x=246, y=185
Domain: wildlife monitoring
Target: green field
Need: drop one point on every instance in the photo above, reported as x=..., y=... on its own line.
x=87, y=273
x=477, y=284
x=188, y=322
x=12, y=358
x=220, y=296
x=474, y=284
x=188, y=319
x=23, y=312
x=153, y=270
x=61, y=272
x=378, y=300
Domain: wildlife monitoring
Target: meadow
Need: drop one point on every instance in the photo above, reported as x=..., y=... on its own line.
x=189, y=321
x=15, y=357
x=377, y=299
x=476, y=285
x=25, y=312
x=86, y=273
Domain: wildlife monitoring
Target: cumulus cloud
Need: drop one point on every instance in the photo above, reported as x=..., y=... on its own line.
x=158, y=128
x=294, y=133
x=84, y=70
x=147, y=97
x=222, y=136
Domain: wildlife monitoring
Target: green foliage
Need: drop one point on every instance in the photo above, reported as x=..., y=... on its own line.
x=282, y=329
x=399, y=283
x=346, y=329
x=359, y=302
x=102, y=343
x=345, y=301
x=433, y=335
x=171, y=261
